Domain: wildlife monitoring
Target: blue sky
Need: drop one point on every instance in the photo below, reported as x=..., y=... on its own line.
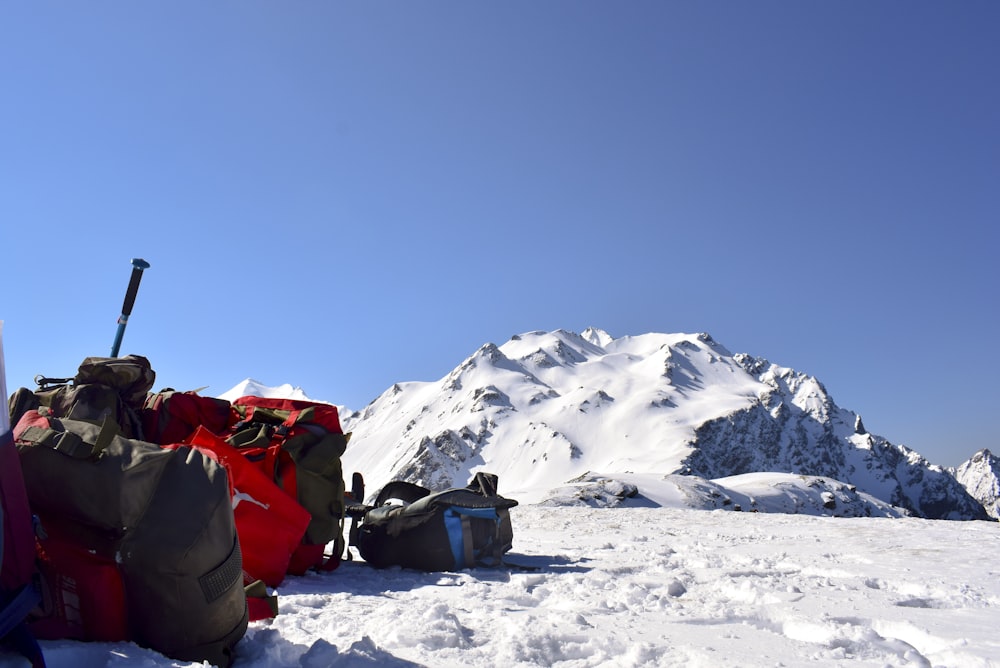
x=346, y=195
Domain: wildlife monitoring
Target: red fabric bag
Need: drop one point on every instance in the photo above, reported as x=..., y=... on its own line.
x=270, y=523
x=170, y=416
x=84, y=596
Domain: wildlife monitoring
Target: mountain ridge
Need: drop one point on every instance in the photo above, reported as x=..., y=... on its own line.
x=547, y=410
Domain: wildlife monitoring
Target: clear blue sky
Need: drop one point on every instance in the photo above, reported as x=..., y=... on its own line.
x=346, y=195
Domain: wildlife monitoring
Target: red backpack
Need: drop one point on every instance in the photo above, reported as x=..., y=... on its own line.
x=169, y=416
x=298, y=444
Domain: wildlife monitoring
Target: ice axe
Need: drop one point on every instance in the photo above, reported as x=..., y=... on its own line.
x=138, y=264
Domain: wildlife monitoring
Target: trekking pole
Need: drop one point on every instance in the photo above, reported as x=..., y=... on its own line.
x=138, y=264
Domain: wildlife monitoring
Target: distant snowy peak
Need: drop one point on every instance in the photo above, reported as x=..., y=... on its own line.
x=597, y=336
x=981, y=478
x=254, y=388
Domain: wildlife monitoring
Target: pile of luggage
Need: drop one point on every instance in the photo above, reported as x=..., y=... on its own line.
x=165, y=517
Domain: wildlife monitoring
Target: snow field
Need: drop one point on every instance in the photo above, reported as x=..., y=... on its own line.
x=646, y=587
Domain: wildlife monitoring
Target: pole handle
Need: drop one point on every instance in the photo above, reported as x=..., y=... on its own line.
x=138, y=265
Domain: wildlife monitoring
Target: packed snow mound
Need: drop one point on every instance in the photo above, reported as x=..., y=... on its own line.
x=751, y=492
x=800, y=494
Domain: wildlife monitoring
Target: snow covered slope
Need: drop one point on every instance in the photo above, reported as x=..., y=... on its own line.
x=547, y=407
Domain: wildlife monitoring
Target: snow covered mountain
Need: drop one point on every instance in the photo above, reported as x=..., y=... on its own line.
x=563, y=417
x=255, y=388
x=794, y=425
x=981, y=478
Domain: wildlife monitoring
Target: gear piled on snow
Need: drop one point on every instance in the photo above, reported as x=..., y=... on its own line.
x=161, y=518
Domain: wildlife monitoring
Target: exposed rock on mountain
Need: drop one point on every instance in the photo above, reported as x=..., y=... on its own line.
x=795, y=426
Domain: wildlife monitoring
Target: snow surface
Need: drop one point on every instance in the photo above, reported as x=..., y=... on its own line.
x=645, y=587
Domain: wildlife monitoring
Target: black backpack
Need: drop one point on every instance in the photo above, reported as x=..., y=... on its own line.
x=412, y=527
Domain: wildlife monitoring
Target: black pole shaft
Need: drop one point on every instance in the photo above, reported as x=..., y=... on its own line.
x=138, y=265
x=133, y=290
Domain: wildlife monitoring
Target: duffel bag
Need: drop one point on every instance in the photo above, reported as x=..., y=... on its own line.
x=454, y=529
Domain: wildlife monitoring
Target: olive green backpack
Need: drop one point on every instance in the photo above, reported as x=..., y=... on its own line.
x=153, y=524
x=103, y=387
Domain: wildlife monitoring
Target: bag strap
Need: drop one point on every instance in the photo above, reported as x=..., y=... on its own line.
x=14, y=629
x=402, y=490
x=294, y=415
x=72, y=444
x=44, y=383
x=467, y=546
x=355, y=508
x=458, y=523
x=281, y=467
x=485, y=484
x=261, y=604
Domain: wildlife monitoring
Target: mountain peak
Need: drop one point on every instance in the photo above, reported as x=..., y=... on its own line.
x=598, y=337
x=981, y=478
x=255, y=388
